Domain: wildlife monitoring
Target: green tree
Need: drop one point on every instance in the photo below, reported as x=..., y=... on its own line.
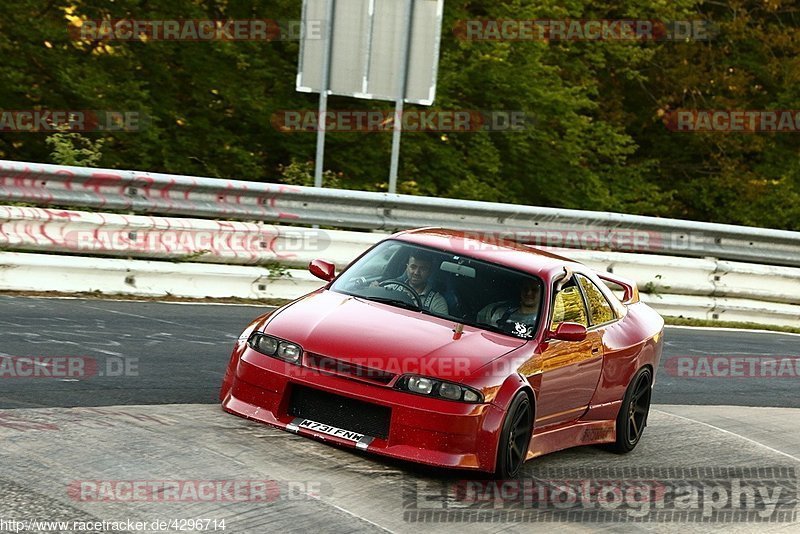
x=596, y=138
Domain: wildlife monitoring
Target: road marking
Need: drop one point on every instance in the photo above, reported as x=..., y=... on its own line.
x=725, y=329
x=796, y=459
x=117, y=312
x=353, y=514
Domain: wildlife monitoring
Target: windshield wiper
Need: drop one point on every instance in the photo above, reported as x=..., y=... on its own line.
x=395, y=302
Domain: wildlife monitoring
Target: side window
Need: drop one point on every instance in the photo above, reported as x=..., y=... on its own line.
x=600, y=310
x=568, y=307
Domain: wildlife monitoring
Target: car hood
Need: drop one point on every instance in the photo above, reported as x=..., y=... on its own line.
x=381, y=336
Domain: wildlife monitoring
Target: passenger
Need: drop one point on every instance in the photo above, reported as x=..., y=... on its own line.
x=517, y=318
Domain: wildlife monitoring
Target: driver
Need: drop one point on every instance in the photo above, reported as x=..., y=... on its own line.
x=517, y=318
x=417, y=275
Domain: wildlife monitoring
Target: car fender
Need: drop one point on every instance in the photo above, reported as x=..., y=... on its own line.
x=509, y=389
x=512, y=385
x=625, y=355
x=238, y=349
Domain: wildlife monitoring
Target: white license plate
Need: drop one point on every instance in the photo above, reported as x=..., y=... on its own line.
x=331, y=430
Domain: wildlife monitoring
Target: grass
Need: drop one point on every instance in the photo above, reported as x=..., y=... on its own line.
x=96, y=295
x=682, y=321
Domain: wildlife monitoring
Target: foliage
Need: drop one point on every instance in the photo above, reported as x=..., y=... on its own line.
x=302, y=173
x=596, y=138
x=74, y=149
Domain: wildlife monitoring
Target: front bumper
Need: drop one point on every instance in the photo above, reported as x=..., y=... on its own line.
x=424, y=430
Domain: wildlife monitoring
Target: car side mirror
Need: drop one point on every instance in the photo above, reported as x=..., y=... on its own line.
x=569, y=332
x=322, y=269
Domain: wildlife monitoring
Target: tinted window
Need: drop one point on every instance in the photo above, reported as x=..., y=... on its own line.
x=599, y=309
x=568, y=306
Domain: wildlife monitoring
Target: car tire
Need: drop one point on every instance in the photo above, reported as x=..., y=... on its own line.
x=632, y=417
x=515, y=437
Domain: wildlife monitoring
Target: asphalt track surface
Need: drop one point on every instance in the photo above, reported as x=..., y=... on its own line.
x=177, y=353
x=160, y=422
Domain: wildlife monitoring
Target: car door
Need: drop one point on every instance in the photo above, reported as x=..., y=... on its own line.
x=570, y=369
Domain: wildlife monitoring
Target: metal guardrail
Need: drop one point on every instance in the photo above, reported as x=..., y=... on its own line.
x=61, y=231
x=117, y=276
x=78, y=233
x=164, y=194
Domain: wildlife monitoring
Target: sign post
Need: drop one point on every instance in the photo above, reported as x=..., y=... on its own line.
x=371, y=49
x=401, y=95
x=323, y=94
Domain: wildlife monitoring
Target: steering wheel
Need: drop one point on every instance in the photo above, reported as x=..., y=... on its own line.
x=405, y=288
x=358, y=283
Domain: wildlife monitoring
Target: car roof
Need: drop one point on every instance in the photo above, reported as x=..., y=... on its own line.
x=492, y=247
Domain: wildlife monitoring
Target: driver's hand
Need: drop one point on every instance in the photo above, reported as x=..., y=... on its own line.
x=374, y=284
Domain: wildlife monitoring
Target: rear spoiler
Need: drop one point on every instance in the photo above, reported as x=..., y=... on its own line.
x=628, y=286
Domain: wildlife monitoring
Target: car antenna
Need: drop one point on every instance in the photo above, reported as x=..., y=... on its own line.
x=458, y=331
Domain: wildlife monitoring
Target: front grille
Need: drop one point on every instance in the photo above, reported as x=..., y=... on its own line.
x=339, y=367
x=341, y=412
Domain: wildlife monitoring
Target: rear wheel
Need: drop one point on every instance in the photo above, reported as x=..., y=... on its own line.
x=515, y=437
x=633, y=413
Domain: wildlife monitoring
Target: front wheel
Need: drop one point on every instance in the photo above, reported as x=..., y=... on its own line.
x=633, y=413
x=515, y=437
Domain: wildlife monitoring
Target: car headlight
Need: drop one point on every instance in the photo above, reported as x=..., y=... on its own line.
x=289, y=352
x=437, y=388
x=417, y=384
x=277, y=348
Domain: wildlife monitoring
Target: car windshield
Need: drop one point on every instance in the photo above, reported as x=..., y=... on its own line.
x=439, y=283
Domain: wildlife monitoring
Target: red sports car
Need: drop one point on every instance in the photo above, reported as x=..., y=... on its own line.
x=455, y=350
